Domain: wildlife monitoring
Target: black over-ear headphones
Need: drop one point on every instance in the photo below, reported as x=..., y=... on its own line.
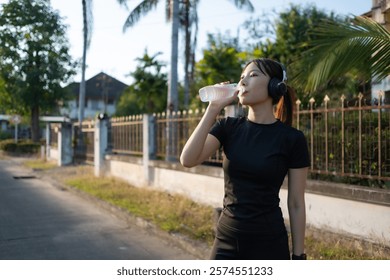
x=276, y=87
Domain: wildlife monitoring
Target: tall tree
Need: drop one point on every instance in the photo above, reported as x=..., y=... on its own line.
x=34, y=58
x=173, y=95
x=87, y=35
x=188, y=23
x=361, y=44
x=148, y=92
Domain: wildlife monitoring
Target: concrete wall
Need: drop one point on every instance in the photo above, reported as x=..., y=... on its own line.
x=52, y=153
x=357, y=211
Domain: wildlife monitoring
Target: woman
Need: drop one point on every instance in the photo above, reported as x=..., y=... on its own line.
x=260, y=150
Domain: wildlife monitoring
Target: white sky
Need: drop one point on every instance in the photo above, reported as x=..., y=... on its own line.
x=113, y=51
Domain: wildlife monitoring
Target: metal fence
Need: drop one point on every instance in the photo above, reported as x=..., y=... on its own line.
x=86, y=152
x=182, y=124
x=125, y=135
x=347, y=140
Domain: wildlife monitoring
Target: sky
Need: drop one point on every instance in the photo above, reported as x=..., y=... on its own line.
x=114, y=51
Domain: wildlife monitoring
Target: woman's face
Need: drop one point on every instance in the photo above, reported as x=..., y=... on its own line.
x=254, y=84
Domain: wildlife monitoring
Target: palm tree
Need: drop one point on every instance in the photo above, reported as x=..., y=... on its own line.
x=87, y=35
x=189, y=25
x=188, y=20
x=173, y=96
x=360, y=44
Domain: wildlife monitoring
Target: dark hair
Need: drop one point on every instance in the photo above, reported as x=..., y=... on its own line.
x=284, y=103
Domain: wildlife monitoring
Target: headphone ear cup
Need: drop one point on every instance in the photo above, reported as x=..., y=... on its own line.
x=282, y=88
x=276, y=89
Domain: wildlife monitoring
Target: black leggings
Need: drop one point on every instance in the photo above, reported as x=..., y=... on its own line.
x=228, y=246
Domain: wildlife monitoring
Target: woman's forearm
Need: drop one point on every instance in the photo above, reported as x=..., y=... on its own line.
x=194, y=148
x=298, y=226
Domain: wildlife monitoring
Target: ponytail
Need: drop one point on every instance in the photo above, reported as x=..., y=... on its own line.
x=284, y=108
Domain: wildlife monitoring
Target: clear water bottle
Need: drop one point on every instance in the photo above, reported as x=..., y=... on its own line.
x=219, y=91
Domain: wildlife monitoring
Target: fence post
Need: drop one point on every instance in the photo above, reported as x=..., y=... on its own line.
x=65, y=151
x=298, y=103
x=48, y=140
x=326, y=100
x=360, y=96
x=312, y=132
x=149, y=145
x=381, y=94
x=101, y=143
x=171, y=136
x=342, y=134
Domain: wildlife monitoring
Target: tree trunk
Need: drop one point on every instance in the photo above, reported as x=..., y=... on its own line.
x=173, y=97
x=35, y=133
x=172, y=86
x=80, y=147
x=187, y=52
x=83, y=65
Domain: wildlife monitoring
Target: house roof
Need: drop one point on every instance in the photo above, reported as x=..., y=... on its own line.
x=99, y=86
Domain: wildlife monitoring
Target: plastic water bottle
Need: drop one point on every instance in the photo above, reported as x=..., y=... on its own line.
x=219, y=91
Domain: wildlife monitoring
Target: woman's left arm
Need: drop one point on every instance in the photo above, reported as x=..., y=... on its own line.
x=296, y=208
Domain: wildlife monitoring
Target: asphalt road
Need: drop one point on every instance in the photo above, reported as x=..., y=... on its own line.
x=39, y=221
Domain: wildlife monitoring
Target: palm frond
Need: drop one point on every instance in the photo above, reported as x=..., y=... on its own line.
x=123, y=3
x=362, y=44
x=143, y=8
x=244, y=4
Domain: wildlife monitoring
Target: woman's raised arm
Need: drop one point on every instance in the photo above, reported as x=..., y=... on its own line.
x=201, y=145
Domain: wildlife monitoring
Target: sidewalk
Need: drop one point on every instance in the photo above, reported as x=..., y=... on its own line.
x=57, y=174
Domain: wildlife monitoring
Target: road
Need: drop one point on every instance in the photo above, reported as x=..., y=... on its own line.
x=39, y=221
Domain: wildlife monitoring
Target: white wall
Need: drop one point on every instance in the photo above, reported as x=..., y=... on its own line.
x=364, y=220
x=52, y=153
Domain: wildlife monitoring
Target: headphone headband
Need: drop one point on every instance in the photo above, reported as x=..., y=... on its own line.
x=284, y=72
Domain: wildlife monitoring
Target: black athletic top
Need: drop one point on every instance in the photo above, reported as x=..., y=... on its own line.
x=257, y=158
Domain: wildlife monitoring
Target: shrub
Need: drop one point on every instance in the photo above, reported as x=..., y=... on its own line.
x=22, y=147
x=5, y=135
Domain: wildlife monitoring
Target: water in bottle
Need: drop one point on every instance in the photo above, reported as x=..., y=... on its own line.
x=214, y=92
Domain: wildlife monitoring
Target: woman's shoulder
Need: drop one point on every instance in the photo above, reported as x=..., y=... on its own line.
x=291, y=131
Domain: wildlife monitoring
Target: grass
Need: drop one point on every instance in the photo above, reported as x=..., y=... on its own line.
x=172, y=213
x=38, y=164
x=175, y=213
x=325, y=245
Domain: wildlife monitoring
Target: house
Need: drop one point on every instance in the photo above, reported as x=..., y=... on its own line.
x=380, y=12
x=4, y=121
x=101, y=96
